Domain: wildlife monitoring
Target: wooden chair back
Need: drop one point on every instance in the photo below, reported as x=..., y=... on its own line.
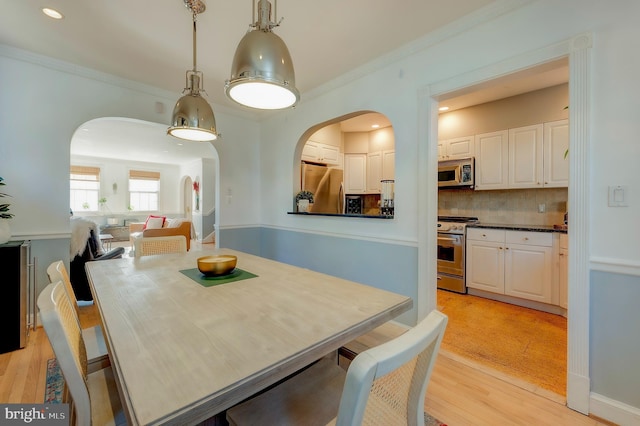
x=94, y=396
x=160, y=245
x=387, y=384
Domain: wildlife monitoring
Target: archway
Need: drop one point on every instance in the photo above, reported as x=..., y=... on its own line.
x=118, y=145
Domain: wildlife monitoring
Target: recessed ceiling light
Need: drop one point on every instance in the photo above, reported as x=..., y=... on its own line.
x=375, y=126
x=52, y=13
x=444, y=108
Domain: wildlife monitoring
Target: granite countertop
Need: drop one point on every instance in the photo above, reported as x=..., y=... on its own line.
x=536, y=228
x=368, y=216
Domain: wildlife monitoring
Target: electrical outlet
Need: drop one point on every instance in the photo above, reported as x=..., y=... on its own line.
x=542, y=208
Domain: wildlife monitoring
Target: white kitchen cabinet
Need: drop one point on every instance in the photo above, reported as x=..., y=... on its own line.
x=563, y=271
x=355, y=173
x=525, y=157
x=453, y=149
x=492, y=160
x=529, y=265
x=485, y=259
x=374, y=172
x=556, y=144
x=317, y=152
x=388, y=164
x=513, y=263
x=380, y=165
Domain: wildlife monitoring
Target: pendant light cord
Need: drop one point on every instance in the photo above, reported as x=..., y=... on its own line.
x=194, y=41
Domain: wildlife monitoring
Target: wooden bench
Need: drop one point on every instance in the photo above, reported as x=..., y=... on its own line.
x=375, y=337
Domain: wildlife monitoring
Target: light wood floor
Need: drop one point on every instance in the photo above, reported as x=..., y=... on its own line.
x=458, y=394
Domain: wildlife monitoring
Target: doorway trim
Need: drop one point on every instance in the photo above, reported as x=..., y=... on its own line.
x=578, y=49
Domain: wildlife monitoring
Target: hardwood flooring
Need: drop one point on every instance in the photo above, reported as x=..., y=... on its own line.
x=459, y=394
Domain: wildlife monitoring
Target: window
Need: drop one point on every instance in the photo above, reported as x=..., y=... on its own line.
x=144, y=190
x=84, y=183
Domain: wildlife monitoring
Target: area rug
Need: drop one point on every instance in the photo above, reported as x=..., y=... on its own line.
x=55, y=383
x=523, y=343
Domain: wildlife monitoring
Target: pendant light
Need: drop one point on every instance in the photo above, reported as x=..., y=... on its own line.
x=193, y=117
x=262, y=74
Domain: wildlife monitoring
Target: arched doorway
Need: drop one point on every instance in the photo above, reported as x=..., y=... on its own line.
x=116, y=146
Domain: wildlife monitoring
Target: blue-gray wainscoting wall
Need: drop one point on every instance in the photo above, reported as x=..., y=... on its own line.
x=387, y=266
x=614, y=342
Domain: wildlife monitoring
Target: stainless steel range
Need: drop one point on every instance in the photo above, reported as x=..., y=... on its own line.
x=451, y=252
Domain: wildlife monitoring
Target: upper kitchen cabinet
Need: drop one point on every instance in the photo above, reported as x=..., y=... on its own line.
x=454, y=149
x=317, y=152
x=556, y=146
x=355, y=173
x=492, y=160
x=324, y=146
x=368, y=155
x=523, y=157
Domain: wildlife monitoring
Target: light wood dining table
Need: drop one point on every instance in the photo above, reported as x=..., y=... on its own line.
x=182, y=352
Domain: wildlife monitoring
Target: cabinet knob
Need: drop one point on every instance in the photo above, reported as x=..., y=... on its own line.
x=484, y=235
x=526, y=238
x=506, y=248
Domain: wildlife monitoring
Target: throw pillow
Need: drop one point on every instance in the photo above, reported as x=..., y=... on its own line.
x=154, y=222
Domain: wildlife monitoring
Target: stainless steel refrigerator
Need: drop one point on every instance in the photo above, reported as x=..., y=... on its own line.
x=326, y=185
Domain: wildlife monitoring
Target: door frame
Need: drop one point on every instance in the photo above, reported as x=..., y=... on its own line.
x=578, y=50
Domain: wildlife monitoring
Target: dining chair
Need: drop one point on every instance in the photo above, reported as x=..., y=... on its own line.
x=144, y=246
x=94, y=396
x=97, y=355
x=384, y=385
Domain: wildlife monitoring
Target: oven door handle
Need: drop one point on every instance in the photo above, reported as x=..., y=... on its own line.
x=447, y=239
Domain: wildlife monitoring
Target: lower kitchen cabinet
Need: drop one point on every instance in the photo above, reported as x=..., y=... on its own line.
x=513, y=263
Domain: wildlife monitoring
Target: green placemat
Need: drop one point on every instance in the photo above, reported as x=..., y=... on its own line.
x=237, y=275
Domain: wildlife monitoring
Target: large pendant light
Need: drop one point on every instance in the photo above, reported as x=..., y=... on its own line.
x=262, y=73
x=193, y=117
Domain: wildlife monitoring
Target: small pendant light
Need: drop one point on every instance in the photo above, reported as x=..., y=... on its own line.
x=262, y=74
x=193, y=117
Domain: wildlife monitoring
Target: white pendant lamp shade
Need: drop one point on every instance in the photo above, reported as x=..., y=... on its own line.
x=262, y=74
x=193, y=117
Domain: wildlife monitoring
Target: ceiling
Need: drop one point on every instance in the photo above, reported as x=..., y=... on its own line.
x=150, y=41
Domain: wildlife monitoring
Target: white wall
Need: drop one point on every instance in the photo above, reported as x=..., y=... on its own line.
x=393, y=86
x=38, y=119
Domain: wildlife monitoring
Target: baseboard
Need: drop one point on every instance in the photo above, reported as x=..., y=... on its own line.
x=578, y=392
x=613, y=411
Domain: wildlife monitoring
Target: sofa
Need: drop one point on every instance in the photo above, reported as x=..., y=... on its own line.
x=170, y=227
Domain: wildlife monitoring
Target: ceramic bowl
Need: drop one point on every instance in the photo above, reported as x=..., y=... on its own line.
x=213, y=266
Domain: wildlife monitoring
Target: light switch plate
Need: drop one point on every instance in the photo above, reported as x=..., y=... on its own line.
x=618, y=196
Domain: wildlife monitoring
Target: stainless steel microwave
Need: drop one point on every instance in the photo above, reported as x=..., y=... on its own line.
x=456, y=173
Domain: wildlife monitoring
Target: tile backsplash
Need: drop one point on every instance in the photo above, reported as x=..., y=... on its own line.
x=513, y=206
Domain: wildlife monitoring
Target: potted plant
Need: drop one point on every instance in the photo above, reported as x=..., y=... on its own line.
x=5, y=231
x=303, y=199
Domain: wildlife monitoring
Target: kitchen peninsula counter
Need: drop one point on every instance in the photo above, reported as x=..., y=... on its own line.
x=516, y=227
x=368, y=216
